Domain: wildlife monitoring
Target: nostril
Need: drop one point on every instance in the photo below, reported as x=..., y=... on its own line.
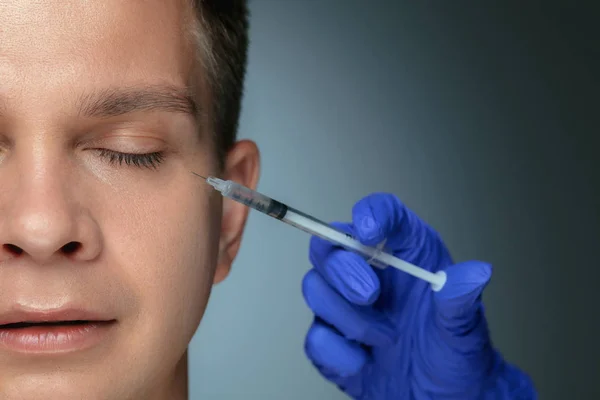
x=71, y=247
x=12, y=249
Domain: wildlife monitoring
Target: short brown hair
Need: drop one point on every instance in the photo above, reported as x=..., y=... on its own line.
x=223, y=40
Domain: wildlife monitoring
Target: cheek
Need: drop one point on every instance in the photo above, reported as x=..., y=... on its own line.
x=167, y=246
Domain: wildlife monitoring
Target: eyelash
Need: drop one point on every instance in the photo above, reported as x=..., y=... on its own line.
x=148, y=160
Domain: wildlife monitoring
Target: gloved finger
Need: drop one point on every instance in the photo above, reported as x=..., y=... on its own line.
x=333, y=354
x=381, y=216
x=377, y=216
x=346, y=272
x=458, y=303
x=363, y=324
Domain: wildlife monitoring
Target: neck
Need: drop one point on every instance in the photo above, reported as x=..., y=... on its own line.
x=180, y=380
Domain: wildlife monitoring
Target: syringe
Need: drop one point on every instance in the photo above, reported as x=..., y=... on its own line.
x=266, y=205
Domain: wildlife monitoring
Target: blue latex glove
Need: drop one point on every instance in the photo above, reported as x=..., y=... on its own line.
x=382, y=334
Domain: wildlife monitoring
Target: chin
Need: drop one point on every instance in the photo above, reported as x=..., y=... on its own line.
x=61, y=387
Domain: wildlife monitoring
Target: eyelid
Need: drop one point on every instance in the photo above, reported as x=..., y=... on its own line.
x=129, y=144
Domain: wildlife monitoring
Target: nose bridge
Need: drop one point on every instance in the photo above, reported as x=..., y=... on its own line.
x=40, y=215
x=42, y=173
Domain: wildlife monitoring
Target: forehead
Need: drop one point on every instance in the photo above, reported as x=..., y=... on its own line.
x=49, y=44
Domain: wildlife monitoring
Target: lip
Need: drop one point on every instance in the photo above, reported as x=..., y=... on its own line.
x=71, y=314
x=53, y=339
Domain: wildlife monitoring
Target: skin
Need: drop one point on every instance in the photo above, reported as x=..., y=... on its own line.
x=150, y=242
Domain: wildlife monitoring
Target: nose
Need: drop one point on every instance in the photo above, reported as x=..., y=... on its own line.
x=41, y=220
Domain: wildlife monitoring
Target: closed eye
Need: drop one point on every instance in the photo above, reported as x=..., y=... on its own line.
x=147, y=160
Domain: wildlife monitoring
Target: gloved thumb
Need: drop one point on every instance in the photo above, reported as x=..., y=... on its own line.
x=459, y=301
x=461, y=342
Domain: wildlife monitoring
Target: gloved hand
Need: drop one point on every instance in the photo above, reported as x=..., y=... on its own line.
x=382, y=334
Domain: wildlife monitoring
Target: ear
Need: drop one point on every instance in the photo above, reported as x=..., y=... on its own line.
x=242, y=165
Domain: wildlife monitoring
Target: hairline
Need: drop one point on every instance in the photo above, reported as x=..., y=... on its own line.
x=203, y=78
x=212, y=73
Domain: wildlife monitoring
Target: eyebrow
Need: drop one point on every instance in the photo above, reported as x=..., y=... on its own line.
x=121, y=101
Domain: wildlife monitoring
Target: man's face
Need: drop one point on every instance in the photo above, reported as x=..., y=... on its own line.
x=133, y=239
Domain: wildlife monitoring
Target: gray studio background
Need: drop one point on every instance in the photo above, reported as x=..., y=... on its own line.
x=481, y=118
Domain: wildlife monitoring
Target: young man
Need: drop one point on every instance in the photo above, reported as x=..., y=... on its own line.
x=110, y=245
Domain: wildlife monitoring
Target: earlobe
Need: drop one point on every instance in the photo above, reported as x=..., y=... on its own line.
x=224, y=263
x=242, y=166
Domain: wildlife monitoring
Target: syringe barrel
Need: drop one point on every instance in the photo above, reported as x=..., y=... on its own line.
x=254, y=200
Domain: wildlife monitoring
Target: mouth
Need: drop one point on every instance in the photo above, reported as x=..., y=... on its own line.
x=53, y=332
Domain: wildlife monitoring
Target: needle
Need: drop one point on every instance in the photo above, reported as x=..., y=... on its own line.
x=203, y=177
